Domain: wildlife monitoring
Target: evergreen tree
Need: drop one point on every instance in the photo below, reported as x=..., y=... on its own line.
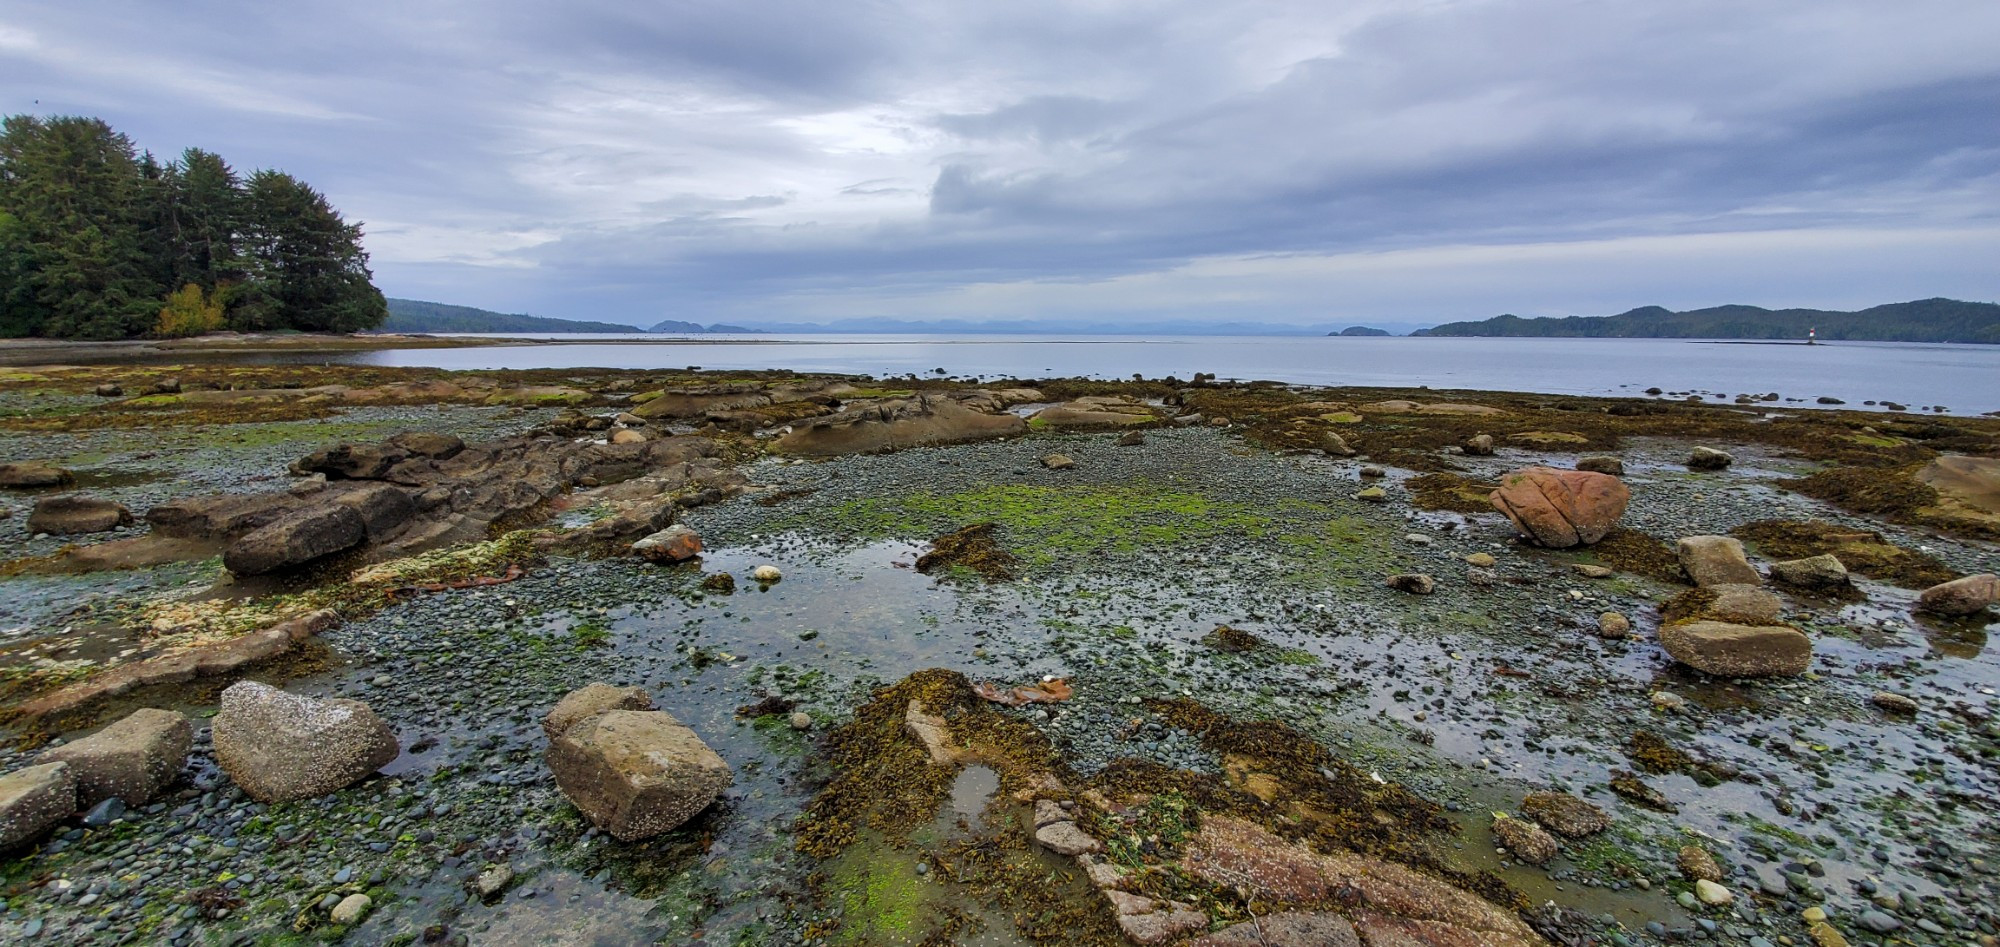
x=304, y=265
x=75, y=187
x=208, y=215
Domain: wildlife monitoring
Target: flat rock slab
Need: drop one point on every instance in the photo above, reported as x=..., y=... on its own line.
x=636, y=773
x=73, y=514
x=1727, y=650
x=131, y=760
x=282, y=747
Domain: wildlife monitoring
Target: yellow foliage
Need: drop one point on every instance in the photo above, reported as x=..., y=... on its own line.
x=188, y=312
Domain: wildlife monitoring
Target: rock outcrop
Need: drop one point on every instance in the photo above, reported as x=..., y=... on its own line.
x=131, y=760
x=1561, y=508
x=892, y=424
x=1728, y=650
x=1388, y=899
x=73, y=514
x=1096, y=413
x=281, y=747
x=636, y=773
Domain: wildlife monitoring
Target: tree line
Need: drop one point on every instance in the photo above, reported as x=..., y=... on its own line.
x=1922, y=320
x=101, y=241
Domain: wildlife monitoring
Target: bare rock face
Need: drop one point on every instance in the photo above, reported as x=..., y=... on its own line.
x=1964, y=596
x=1285, y=929
x=1148, y=922
x=32, y=800
x=923, y=420
x=1561, y=508
x=589, y=701
x=1388, y=899
x=1564, y=814
x=30, y=476
x=674, y=544
x=132, y=760
x=1727, y=650
x=282, y=747
x=73, y=514
x=636, y=773
x=296, y=539
x=1716, y=560
x=1819, y=573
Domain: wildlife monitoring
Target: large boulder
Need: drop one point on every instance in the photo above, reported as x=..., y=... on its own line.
x=72, y=514
x=1964, y=596
x=296, y=539
x=383, y=509
x=427, y=444
x=1708, y=458
x=33, y=799
x=131, y=760
x=1561, y=508
x=590, y=700
x=30, y=476
x=1716, y=560
x=1727, y=650
x=220, y=517
x=1819, y=573
x=352, y=461
x=636, y=773
x=282, y=747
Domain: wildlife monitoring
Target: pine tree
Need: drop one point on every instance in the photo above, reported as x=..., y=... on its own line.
x=304, y=265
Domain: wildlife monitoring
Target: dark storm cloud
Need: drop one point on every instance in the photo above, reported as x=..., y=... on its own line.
x=799, y=160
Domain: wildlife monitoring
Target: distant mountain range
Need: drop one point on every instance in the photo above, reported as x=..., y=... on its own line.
x=412, y=315
x=1923, y=320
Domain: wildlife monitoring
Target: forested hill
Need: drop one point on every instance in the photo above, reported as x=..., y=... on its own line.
x=1924, y=320
x=101, y=241
x=412, y=315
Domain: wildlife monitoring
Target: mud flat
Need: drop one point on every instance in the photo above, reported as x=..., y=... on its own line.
x=1052, y=662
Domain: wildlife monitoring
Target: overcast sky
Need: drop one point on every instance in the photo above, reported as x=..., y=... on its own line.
x=1314, y=162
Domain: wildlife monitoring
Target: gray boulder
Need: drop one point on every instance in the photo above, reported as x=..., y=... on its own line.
x=132, y=760
x=1727, y=650
x=72, y=514
x=1708, y=458
x=589, y=701
x=33, y=800
x=1964, y=596
x=636, y=773
x=296, y=539
x=1716, y=560
x=1813, y=572
x=282, y=747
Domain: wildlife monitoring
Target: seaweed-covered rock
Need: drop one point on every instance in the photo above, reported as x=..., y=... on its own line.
x=636, y=773
x=131, y=760
x=1564, y=814
x=1525, y=839
x=1727, y=650
x=282, y=747
x=1561, y=508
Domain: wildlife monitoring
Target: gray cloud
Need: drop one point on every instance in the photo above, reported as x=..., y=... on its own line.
x=787, y=159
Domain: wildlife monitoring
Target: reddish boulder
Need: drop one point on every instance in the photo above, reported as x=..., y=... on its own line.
x=1561, y=508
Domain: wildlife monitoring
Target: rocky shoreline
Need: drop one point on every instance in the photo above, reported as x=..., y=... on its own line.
x=1223, y=577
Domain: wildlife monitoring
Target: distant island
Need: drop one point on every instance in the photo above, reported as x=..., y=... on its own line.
x=415, y=315
x=685, y=328
x=1360, y=331
x=1923, y=320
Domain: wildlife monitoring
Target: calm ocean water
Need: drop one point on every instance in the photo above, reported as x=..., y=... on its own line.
x=1963, y=378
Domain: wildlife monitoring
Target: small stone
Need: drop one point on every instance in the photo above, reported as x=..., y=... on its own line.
x=801, y=721
x=1415, y=583
x=1879, y=923
x=1698, y=865
x=492, y=880
x=1132, y=439
x=1064, y=838
x=1613, y=625
x=1708, y=458
x=1712, y=894
x=1525, y=839
x=766, y=574
x=1057, y=461
x=350, y=910
x=676, y=543
x=719, y=582
x=1603, y=465
x=1481, y=560
x=1894, y=703
x=1373, y=495
x=1590, y=571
